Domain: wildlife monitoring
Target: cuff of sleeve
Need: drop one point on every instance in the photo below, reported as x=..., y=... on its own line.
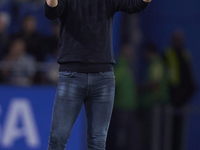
x=50, y=12
x=48, y=8
x=143, y=5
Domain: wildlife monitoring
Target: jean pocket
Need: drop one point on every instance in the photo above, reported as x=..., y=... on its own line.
x=108, y=74
x=66, y=74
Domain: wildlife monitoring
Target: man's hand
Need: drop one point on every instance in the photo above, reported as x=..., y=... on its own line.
x=147, y=1
x=52, y=3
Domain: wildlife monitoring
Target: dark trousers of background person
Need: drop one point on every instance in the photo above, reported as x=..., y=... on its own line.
x=153, y=127
x=124, y=133
x=180, y=97
x=146, y=119
x=96, y=91
x=178, y=124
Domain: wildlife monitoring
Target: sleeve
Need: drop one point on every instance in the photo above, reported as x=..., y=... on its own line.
x=55, y=12
x=129, y=6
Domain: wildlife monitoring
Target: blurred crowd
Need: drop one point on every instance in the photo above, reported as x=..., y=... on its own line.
x=27, y=56
x=150, y=114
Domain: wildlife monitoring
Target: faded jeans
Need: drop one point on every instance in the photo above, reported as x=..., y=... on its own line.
x=96, y=91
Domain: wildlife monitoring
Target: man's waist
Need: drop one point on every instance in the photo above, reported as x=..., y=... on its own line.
x=86, y=67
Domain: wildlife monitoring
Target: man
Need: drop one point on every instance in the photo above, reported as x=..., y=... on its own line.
x=155, y=87
x=86, y=66
x=154, y=97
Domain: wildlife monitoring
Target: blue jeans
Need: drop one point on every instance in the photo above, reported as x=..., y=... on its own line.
x=94, y=90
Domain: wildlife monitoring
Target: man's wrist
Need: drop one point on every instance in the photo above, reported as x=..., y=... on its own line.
x=147, y=1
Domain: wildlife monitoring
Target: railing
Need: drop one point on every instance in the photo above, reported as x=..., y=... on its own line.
x=39, y=66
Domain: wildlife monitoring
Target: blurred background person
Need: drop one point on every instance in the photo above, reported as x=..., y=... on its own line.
x=4, y=23
x=19, y=66
x=123, y=128
x=35, y=44
x=153, y=94
x=181, y=82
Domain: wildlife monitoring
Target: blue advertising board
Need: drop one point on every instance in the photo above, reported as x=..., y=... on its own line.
x=25, y=118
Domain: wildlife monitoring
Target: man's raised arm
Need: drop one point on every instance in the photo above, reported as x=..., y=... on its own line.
x=130, y=6
x=54, y=8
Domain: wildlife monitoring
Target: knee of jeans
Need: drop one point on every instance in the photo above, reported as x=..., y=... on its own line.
x=97, y=140
x=58, y=138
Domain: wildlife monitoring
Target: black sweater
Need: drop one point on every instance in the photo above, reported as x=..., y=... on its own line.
x=86, y=29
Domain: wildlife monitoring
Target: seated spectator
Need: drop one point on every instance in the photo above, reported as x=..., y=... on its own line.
x=19, y=66
x=32, y=38
x=4, y=22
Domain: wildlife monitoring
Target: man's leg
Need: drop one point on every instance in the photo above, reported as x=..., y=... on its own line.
x=98, y=106
x=69, y=99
